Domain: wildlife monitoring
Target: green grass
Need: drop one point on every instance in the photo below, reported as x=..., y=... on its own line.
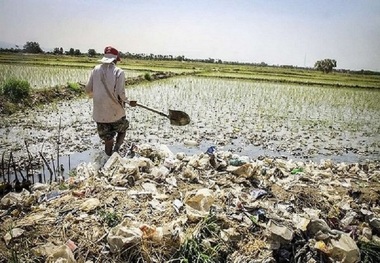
x=16, y=90
x=75, y=87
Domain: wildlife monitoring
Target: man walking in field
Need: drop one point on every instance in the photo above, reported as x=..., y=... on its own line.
x=106, y=86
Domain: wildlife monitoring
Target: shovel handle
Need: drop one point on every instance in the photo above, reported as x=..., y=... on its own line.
x=152, y=110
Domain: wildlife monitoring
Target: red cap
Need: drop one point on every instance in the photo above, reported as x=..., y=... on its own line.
x=112, y=51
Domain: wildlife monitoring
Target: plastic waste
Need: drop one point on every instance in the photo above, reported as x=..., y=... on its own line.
x=190, y=174
x=12, y=198
x=131, y=152
x=152, y=233
x=374, y=223
x=49, y=196
x=71, y=245
x=171, y=181
x=367, y=233
x=180, y=156
x=123, y=236
x=150, y=187
x=236, y=162
x=257, y=193
x=211, y=150
x=344, y=249
x=61, y=254
x=40, y=187
x=281, y=234
x=160, y=173
x=169, y=163
x=157, y=205
x=230, y=234
x=177, y=204
x=190, y=143
x=90, y=204
x=198, y=205
x=12, y=234
x=348, y=218
x=246, y=170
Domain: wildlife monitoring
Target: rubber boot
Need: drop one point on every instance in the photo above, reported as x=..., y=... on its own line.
x=108, y=147
x=119, y=141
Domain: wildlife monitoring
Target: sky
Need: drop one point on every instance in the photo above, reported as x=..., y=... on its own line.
x=277, y=32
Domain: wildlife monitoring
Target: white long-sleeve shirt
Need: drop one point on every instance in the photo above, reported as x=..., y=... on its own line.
x=107, y=88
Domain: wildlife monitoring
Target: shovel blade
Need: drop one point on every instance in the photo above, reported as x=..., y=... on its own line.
x=178, y=118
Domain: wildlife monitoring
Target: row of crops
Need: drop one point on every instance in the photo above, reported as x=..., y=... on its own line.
x=43, y=77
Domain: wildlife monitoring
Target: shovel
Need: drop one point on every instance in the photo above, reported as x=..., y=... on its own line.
x=176, y=117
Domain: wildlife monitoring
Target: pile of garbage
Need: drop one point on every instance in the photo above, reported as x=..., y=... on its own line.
x=156, y=206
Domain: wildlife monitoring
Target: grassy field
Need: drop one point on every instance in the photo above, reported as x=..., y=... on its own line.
x=246, y=72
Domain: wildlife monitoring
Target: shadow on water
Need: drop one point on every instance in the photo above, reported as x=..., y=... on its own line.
x=67, y=163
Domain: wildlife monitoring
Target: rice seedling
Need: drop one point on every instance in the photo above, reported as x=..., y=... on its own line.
x=254, y=118
x=48, y=76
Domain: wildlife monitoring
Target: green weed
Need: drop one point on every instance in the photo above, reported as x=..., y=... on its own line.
x=75, y=87
x=72, y=173
x=110, y=218
x=15, y=90
x=148, y=77
x=204, y=245
x=63, y=186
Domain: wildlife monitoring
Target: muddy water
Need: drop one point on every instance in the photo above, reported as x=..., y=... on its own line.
x=253, y=119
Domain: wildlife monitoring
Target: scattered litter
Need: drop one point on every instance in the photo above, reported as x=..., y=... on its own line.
x=49, y=196
x=153, y=206
x=257, y=193
x=12, y=234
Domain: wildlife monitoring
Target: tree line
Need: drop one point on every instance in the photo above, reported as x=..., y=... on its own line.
x=326, y=65
x=34, y=48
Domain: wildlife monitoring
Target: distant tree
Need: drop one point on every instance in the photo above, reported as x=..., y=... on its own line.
x=58, y=51
x=11, y=50
x=77, y=52
x=180, y=58
x=32, y=47
x=71, y=52
x=210, y=60
x=326, y=65
x=91, y=52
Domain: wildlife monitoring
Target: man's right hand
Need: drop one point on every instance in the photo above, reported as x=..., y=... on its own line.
x=132, y=103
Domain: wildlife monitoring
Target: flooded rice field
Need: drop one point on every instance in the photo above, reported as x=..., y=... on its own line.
x=249, y=118
x=42, y=77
